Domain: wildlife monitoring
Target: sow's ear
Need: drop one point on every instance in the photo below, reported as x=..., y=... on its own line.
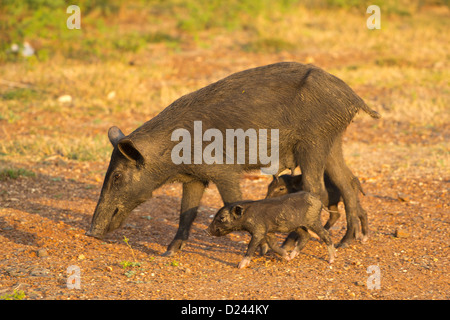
x=114, y=135
x=129, y=150
x=237, y=211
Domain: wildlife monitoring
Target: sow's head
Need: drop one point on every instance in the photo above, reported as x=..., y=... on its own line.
x=125, y=186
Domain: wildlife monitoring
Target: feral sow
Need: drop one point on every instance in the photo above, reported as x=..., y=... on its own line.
x=310, y=107
x=297, y=212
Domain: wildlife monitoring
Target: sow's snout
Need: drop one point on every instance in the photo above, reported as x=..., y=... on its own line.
x=96, y=230
x=103, y=221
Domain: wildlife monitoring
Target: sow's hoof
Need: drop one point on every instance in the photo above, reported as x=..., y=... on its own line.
x=174, y=247
x=346, y=242
x=349, y=237
x=168, y=253
x=94, y=235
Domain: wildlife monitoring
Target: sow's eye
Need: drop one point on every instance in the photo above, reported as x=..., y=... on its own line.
x=116, y=178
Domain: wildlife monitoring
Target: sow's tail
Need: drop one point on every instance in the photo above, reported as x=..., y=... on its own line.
x=370, y=112
x=334, y=83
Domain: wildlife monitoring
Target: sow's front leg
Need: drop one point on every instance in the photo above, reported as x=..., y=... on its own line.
x=192, y=194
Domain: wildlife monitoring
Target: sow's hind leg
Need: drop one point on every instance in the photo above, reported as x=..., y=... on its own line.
x=343, y=178
x=192, y=194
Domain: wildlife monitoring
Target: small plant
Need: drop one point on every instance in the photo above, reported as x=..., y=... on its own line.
x=173, y=263
x=129, y=264
x=125, y=239
x=126, y=264
x=16, y=295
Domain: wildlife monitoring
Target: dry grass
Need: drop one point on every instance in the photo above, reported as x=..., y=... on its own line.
x=400, y=70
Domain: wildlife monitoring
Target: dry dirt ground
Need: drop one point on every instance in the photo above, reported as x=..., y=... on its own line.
x=43, y=220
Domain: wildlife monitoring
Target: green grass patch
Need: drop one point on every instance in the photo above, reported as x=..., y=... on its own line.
x=43, y=23
x=13, y=173
x=23, y=94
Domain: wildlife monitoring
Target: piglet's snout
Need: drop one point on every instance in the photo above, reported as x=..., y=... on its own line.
x=214, y=230
x=208, y=231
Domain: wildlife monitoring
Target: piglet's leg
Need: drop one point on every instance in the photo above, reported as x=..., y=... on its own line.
x=256, y=240
x=263, y=248
x=275, y=247
x=304, y=236
x=325, y=237
x=244, y=262
x=290, y=241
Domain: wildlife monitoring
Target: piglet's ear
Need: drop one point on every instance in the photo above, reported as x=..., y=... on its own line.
x=129, y=150
x=275, y=178
x=237, y=211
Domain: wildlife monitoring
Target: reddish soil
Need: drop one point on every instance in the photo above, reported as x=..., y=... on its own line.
x=43, y=220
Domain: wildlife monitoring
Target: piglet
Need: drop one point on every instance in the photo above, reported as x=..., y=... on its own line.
x=293, y=183
x=297, y=212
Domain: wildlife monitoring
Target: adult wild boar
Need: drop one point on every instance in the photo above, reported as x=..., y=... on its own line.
x=309, y=107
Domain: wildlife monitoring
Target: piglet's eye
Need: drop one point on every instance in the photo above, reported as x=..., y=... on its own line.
x=117, y=176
